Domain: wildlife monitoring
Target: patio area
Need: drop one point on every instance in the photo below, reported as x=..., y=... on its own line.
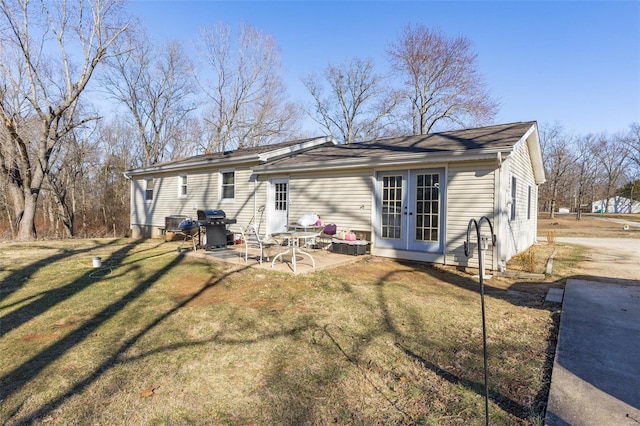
x=324, y=259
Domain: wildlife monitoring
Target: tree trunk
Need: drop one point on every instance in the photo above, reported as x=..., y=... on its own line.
x=579, y=211
x=27, y=219
x=552, y=207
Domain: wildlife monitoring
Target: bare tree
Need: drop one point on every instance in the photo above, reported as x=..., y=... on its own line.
x=65, y=178
x=48, y=54
x=441, y=79
x=585, y=171
x=358, y=106
x=633, y=144
x=611, y=154
x=557, y=151
x=111, y=187
x=245, y=90
x=156, y=87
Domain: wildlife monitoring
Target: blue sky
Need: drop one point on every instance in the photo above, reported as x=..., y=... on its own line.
x=575, y=62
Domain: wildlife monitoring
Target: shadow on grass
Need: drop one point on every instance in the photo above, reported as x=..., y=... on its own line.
x=505, y=403
x=15, y=280
x=530, y=294
x=29, y=369
x=291, y=402
x=18, y=377
x=295, y=398
x=46, y=300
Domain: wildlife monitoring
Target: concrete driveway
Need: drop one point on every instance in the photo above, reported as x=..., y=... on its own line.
x=611, y=259
x=596, y=372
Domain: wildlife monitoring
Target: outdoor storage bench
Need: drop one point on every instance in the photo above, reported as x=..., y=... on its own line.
x=355, y=248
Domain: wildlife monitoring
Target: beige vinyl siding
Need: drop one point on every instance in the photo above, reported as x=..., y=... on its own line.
x=203, y=192
x=165, y=201
x=470, y=195
x=343, y=198
x=521, y=232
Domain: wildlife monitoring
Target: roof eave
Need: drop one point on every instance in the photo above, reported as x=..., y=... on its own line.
x=196, y=165
x=535, y=153
x=390, y=160
x=246, y=159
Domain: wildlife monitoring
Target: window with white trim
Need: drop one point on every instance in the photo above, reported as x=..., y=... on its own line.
x=227, y=184
x=148, y=189
x=182, y=186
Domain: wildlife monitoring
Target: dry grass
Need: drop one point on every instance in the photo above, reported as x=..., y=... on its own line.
x=591, y=225
x=158, y=338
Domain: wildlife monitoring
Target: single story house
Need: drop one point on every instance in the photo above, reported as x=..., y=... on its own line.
x=616, y=204
x=412, y=197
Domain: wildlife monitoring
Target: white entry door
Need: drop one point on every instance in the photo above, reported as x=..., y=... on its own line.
x=409, y=210
x=278, y=205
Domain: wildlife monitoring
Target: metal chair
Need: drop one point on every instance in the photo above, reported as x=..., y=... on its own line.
x=252, y=240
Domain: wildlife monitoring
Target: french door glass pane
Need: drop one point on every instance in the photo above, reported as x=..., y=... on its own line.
x=391, y=219
x=427, y=206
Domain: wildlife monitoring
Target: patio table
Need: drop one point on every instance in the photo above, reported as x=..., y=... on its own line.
x=294, y=247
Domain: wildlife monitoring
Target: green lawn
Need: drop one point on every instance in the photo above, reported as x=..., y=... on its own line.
x=160, y=338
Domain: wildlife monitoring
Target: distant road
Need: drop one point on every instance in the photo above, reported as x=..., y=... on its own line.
x=620, y=221
x=609, y=257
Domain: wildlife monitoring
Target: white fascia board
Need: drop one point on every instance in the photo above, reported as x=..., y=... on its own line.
x=532, y=140
x=207, y=162
x=191, y=166
x=266, y=156
x=535, y=152
x=397, y=160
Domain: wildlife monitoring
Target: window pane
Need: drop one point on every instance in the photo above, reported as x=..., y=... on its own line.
x=148, y=193
x=426, y=208
x=227, y=192
x=228, y=185
x=183, y=185
x=280, y=197
x=228, y=178
x=391, y=214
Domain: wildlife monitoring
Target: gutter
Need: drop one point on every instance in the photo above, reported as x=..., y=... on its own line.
x=244, y=159
x=350, y=163
x=191, y=166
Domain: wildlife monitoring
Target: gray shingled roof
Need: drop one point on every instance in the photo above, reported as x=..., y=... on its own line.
x=242, y=152
x=220, y=158
x=462, y=144
x=492, y=138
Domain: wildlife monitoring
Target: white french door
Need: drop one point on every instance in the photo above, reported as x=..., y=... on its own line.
x=409, y=210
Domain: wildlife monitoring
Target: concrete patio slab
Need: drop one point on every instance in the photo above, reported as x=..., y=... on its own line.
x=324, y=259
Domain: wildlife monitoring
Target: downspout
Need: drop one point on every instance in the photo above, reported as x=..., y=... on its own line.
x=502, y=265
x=127, y=177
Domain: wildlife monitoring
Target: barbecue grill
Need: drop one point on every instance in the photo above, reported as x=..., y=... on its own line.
x=190, y=229
x=215, y=223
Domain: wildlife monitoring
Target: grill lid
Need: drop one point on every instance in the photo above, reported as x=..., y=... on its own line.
x=211, y=214
x=187, y=224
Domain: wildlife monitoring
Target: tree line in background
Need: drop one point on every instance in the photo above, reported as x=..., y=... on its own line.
x=583, y=169
x=64, y=147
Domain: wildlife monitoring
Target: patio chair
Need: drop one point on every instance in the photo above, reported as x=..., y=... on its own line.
x=252, y=240
x=325, y=236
